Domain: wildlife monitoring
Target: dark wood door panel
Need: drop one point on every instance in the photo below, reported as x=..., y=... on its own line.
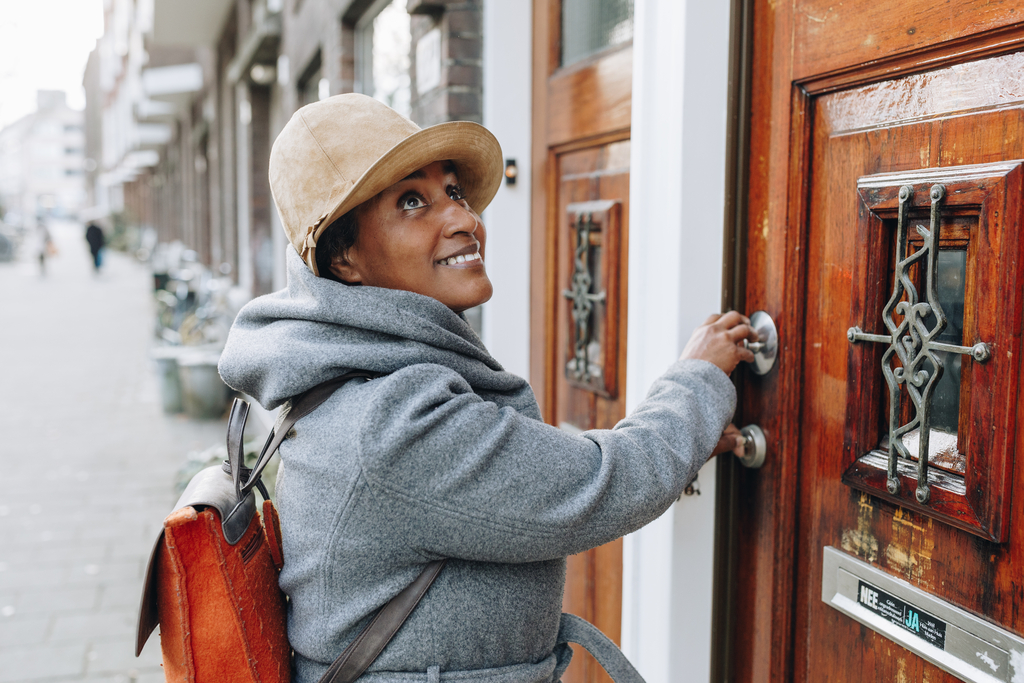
x=838, y=96
x=593, y=185
x=968, y=571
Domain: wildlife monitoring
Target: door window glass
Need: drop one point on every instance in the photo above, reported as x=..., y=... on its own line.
x=950, y=288
x=943, y=449
x=589, y=26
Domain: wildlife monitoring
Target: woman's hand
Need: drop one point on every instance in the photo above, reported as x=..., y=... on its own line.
x=720, y=341
x=731, y=440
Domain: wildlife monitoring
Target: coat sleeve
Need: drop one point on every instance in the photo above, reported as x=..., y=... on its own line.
x=459, y=477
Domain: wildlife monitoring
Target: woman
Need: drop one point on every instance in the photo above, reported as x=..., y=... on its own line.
x=442, y=454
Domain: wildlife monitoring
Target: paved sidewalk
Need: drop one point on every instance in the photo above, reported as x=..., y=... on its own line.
x=87, y=461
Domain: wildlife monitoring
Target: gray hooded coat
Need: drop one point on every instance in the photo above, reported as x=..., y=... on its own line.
x=445, y=456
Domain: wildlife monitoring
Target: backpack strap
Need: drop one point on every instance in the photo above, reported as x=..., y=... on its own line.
x=362, y=651
x=302, y=405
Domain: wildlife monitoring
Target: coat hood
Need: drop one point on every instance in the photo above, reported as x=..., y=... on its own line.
x=316, y=329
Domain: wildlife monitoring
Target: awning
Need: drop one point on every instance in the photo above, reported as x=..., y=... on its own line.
x=189, y=23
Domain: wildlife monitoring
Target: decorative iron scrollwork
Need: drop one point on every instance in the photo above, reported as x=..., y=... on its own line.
x=582, y=298
x=912, y=341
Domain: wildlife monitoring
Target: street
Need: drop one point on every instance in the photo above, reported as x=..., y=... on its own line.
x=87, y=464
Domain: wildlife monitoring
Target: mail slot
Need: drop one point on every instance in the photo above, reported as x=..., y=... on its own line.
x=945, y=635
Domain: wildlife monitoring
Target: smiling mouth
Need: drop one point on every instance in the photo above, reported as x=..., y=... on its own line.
x=456, y=260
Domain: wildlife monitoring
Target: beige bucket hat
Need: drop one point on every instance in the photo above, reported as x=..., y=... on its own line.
x=337, y=153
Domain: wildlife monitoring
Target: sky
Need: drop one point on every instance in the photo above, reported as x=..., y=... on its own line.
x=43, y=46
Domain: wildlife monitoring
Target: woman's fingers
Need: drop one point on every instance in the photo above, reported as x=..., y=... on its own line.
x=731, y=319
x=719, y=339
x=741, y=332
x=730, y=441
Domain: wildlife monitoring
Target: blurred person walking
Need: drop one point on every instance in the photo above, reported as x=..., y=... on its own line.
x=94, y=236
x=44, y=246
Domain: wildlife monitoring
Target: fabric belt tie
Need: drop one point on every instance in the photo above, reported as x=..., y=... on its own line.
x=572, y=629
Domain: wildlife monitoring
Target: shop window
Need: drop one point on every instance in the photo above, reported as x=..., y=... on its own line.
x=383, y=42
x=312, y=84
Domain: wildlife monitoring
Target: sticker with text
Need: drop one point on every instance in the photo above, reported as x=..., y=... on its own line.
x=902, y=614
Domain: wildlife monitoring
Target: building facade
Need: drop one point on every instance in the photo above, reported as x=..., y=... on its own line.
x=190, y=109
x=43, y=162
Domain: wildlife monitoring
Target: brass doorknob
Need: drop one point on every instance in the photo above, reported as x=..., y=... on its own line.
x=766, y=348
x=755, y=447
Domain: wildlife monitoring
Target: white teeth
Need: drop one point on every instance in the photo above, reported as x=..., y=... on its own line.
x=460, y=259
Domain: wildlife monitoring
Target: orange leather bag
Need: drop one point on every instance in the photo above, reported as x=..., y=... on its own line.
x=211, y=583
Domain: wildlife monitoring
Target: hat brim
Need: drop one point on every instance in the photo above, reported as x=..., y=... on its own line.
x=471, y=147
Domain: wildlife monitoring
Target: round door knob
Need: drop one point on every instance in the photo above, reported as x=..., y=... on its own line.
x=755, y=447
x=766, y=348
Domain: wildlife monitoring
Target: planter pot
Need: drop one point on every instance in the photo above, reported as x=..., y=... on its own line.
x=166, y=358
x=204, y=395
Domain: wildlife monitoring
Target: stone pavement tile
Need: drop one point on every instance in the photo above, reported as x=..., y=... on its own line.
x=124, y=595
x=117, y=655
x=154, y=677
x=11, y=556
x=18, y=665
x=55, y=600
x=91, y=626
x=18, y=631
x=106, y=572
x=142, y=547
x=98, y=531
x=84, y=552
x=33, y=534
x=32, y=577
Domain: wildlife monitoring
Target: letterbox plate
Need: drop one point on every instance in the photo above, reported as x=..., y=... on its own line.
x=955, y=640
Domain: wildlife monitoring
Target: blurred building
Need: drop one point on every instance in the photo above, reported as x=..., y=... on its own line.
x=42, y=162
x=185, y=98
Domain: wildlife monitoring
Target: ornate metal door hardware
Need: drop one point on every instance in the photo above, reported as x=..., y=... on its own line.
x=592, y=295
x=937, y=257
x=912, y=340
x=582, y=299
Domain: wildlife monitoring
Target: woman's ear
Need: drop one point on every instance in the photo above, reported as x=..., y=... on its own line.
x=344, y=269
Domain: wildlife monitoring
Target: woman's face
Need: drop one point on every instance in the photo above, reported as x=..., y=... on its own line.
x=421, y=236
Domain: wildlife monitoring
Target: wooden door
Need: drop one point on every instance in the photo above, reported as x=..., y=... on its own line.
x=871, y=120
x=582, y=89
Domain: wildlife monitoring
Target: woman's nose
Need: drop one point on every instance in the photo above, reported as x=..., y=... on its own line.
x=458, y=218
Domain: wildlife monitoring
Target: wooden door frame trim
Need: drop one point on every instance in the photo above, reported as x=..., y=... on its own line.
x=763, y=617
x=542, y=241
x=727, y=470
x=965, y=49
x=764, y=612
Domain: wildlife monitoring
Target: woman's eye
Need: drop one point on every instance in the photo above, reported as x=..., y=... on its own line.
x=455, y=192
x=410, y=201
